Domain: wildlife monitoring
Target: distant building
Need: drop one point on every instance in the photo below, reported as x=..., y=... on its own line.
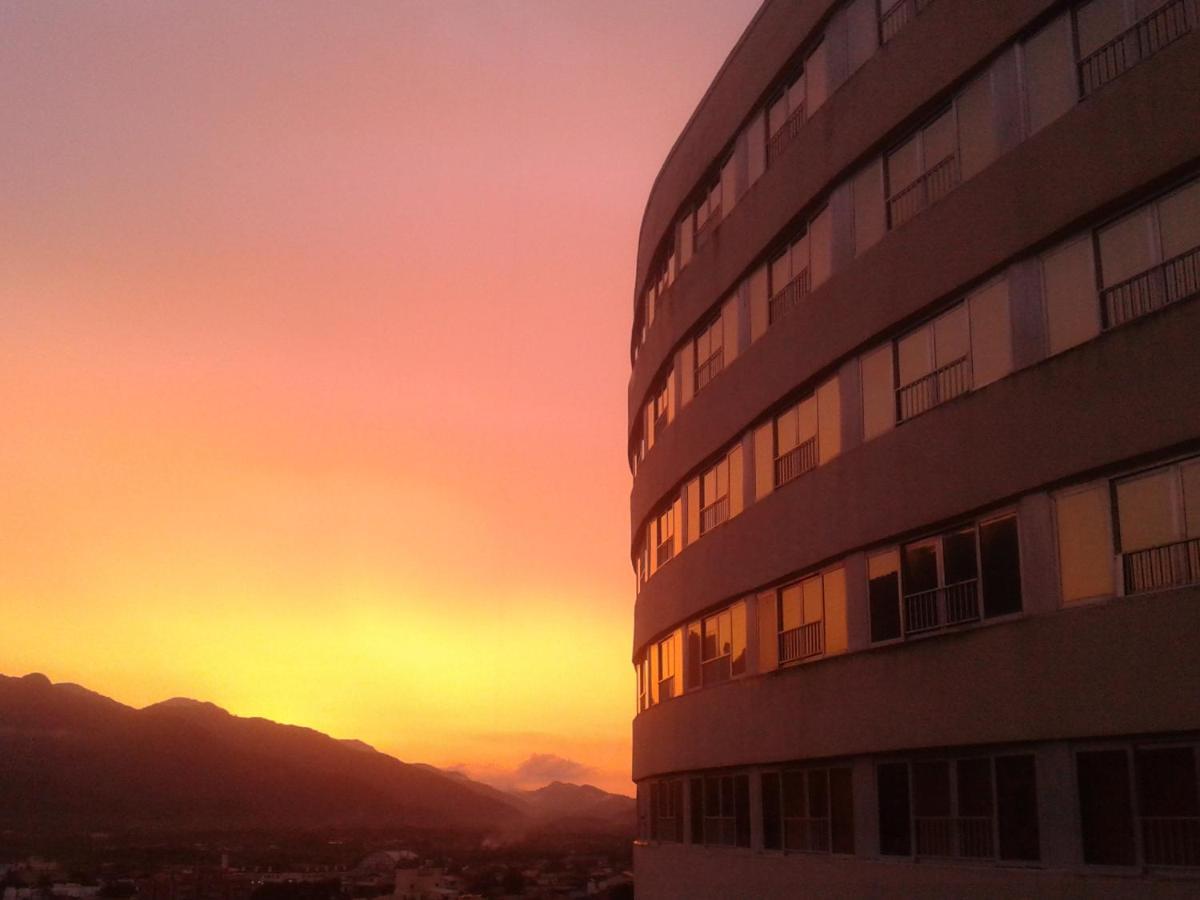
x=915, y=434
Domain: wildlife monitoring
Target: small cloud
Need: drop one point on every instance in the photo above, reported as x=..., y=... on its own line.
x=542, y=768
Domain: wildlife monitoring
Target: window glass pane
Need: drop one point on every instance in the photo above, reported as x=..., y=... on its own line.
x=1001, y=564
x=1126, y=249
x=725, y=632
x=863, y=28
x=904, y=165
x=818, y=794
x=869, y=220
x=974, y=787
x=820, y=238
x=814, y=606
x=833, y=587
x=693, y=655
x=829, y=419
x=1179, y=221
x=796, y=95
x=1191, y=497
x=1098, y=23
x=841, y=803
x=1105, y=808
x=894, y=822
x=806, y=419
x=777, y=114
x=741, y=809
x=915, y=352
x=931, y=788
x=781, y=273
x=991, y=334
x=1166, y=779
x=711, y=639
x=1146, y=506
x=790, y=611
x=951, y=338
x=884, y=593
x=1085, y=552
x=878, y=390
x=737, y=624
x=816, y=71
x=696, y=788
x=940, y=140
x=772, y=814
x=756, y=147
x=787, y=431
x=920, y=568
x=958, y=552
x=793, y=795
x=1069, y=285
x=1017, y=808
x=976, y=130
x=799, y=254
x=1051, y=85
x=729, y=192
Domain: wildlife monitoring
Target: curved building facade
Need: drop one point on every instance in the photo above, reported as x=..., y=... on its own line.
x=915, y=433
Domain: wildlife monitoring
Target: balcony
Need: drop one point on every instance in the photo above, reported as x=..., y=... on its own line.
x=1166, y=566
x=1164, y=26
x=714, y=514
x=707, y=370
x=788, y=297
x=941, y=607
x=962, y=836
x=940, y=385
x=796, y=462
x=1176, y=279
x=896, y=16
x=803, y=642
x=926, y=190
x=1171, y=840
x=785, y=135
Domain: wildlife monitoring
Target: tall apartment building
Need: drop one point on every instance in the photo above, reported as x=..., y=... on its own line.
x=915, y=434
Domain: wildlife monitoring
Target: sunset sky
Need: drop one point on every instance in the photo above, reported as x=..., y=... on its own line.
x=314, y=327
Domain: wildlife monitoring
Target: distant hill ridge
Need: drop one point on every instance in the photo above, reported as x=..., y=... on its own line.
x=75, y=759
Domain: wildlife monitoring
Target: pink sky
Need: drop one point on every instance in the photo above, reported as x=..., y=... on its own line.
x=314, y=322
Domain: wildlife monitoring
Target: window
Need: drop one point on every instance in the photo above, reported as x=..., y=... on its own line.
x=1085, y=543
x=785, y=115
x=877, y=375
x=662, y=405
x=668, y=654
x=1151, y=257
x=975, y=807
x=812, y=617
x=710, y=356
x=1158, y=527
x=923, y=169
x=714, y=496
x=666, y=810
x=883, y=593
x=967, y=347
x=870, y=218
x=642, y=564
x=862, y=27
x=796, y=450
x=721, y=810
x=1069, y=291
x=722, y=645
x=1048, y=70
x=664, y=530
x=1115, y=35
x=708, y=212
x=798, y=439
x=943, y=578
x=789, y=278
x=642, y=670
x=808, y=810
x=816, y=69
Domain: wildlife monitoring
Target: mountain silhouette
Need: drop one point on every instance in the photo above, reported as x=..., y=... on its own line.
x=74, y=759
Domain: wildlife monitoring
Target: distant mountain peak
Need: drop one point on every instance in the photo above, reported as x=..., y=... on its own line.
x=187, y=704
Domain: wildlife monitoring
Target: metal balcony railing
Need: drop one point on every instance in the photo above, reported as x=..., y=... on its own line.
x=1166, y=566
x=965, y=836
x=1164, y=26
x=796, y=462
x=933, y=389
x=714, y=514
x=1176, y=279
x=788, y=297
x=802, y=642
x=710, y=367
x=926, y=190
x=664, y=552
x=786, y=133
x=806, y=833
x=953, y=604
x=896, y=16
x=1171, y=840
